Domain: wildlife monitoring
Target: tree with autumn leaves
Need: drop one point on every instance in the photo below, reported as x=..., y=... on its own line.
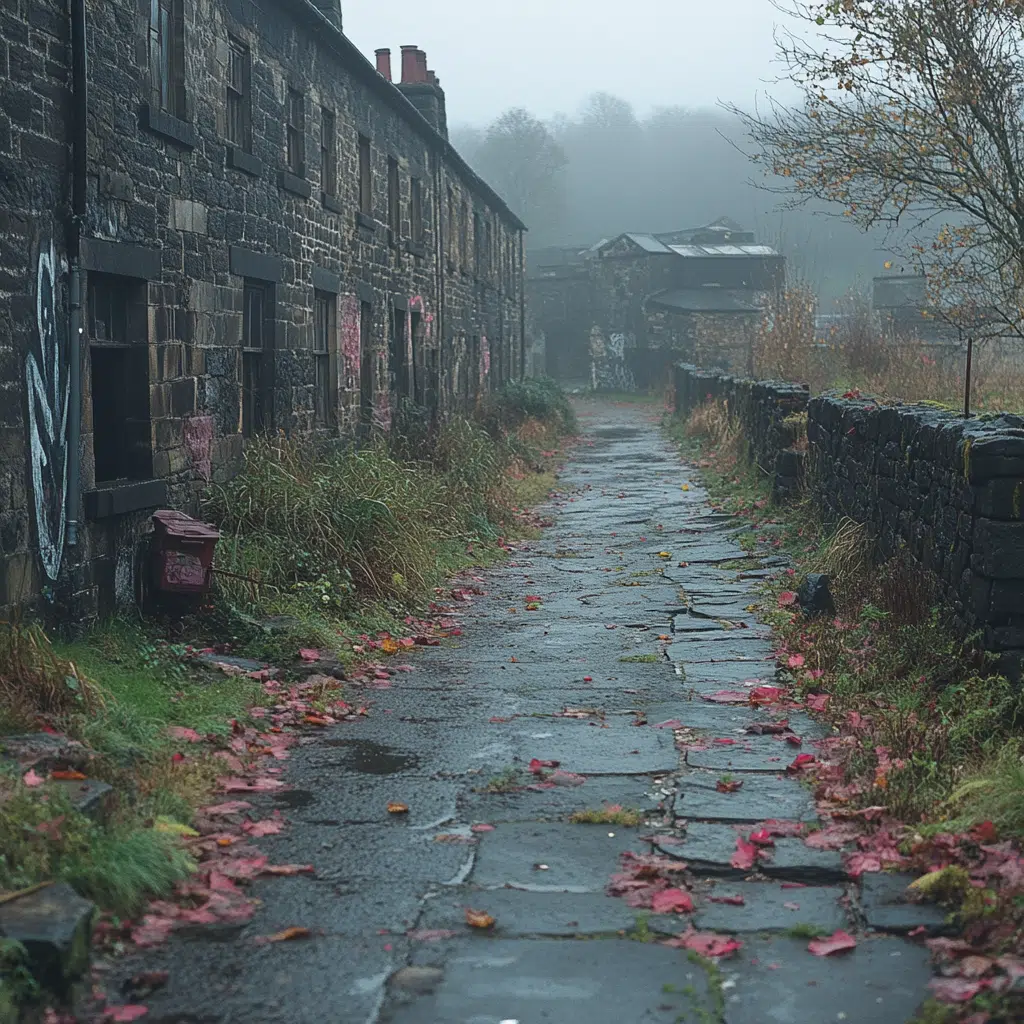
x=912, y=116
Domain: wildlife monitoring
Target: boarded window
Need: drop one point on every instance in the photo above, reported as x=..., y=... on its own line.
x=325, y=330
x=365, y=177
x=296, y=133
x=239, y=96
x=394, y=199
x=167, y=55
x=119, y=373
x=328, y=153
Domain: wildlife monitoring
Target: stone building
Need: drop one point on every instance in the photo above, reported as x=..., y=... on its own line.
x=631, y=306
x=217, y=218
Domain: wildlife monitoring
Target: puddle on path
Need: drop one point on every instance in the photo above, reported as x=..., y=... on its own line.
x=371, y=758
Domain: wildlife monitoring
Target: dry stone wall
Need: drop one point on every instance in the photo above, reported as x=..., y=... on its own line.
x=946, y=491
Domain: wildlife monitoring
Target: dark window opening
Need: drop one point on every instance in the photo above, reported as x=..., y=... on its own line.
x=167, y=55
x=324, y=334
x=416, y=211
x=394, y=207
x=488, y=268
x=399, y=354
x=365, y=367
x=256, y=355
x=239, y=96
x=328, y=153
x=296, y=133
x=119, y=373
x=453, y=226
x=365, y=177
x=464, y=236
x=477, y=254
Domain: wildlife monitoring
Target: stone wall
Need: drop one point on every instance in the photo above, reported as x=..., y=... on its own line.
x=182, y=227
x=946, y=491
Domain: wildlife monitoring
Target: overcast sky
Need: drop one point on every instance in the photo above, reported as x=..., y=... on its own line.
x=548, y=55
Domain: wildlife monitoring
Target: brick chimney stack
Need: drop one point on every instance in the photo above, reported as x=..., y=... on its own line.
x=384, y=63
x=421, y=87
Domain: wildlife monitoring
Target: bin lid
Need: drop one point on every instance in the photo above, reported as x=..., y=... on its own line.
x=177, y=524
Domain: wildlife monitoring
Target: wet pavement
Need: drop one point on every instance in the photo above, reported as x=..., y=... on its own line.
x=388, y=898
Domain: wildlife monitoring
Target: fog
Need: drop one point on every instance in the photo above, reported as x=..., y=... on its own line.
x=603, y=170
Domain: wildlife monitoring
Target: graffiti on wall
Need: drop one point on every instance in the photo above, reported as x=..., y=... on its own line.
x=46, y=379
x=608, y=368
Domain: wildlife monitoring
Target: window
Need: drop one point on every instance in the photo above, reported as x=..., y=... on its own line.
x=400, y=353
x=167, y=55
x=453, y=226
x=328, y=153
x=477, y=247
x=239, y=97
x=464, y=235
x=365, y=367
x=256, y=348
x=325, y=310
x=416, y=211
x=365, y=177
x=296, y=133
x=488, y=267
x=119, y=371
x=394, y=207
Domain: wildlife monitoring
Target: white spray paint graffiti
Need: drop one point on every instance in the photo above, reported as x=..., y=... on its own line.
x=48, y=395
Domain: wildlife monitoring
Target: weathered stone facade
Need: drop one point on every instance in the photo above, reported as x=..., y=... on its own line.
x=944, y=490
x=275, y=237
x=646, y=301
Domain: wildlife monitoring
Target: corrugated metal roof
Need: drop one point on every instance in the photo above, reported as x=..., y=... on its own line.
x=705, y=300
x=647, y=242
x=692, y=251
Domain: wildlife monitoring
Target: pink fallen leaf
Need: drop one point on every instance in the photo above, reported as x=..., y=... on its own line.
x=309, y=654
x=837, y=942
x=817, y=702
x=796, y=661
x=762, y=837
x=724, y=741
x=955, y=990
x=152, y=930
x=766, y=694
x=745, y=856
x=794, y=741
x=257, y=829
x=858, y=863
x=127, y=1012
x=786, y=599
x=672, y=723
x=727, y=697
x=481, y=828
x=705, y=943
x=228, y=807
x=800, y=762
x=671, y=901
x=536, y=765
x=31, y=779
x=287, y=869
x=732, y=901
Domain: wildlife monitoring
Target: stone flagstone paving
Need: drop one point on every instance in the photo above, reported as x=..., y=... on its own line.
x=389, y=895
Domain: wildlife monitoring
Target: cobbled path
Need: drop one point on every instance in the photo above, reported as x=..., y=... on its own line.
x=562, y=951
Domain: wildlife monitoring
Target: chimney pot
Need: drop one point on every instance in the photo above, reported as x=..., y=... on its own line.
x=410, y=64
x=422, y=75
x=384, y=63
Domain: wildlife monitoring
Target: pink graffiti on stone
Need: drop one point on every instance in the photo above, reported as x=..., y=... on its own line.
x=485, y=358
x=418, y=305
x=199, y=444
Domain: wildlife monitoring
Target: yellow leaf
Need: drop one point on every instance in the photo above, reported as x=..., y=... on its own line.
x=390, y=646
x=479, y=919
x=174, y=828
x=397, y=808
x=887, y=264
x=664, y=554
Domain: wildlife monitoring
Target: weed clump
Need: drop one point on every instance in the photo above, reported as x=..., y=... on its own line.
x=612, y=814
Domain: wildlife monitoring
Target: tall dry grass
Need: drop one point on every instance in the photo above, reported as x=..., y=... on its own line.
x=856, y=352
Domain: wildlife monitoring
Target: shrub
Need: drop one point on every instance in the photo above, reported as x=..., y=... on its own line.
x=537, y=398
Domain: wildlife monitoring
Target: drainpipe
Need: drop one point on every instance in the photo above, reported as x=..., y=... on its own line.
x=79, y=139
x=440, y=315
x=521, y=279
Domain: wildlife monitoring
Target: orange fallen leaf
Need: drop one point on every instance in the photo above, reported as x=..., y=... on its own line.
x=396, y=808
x=389, y=646
x=317, y=720
x=288, y=934
x=479, y=919
x=226, y=841
x=68, y=775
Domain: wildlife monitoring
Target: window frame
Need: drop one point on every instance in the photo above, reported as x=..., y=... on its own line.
x=365, y=176
x=325, y=333
x=166, y=43
x=328, y=152
x=416, y=231
x=295, y=132
x=257, y=401
x=238, y=95
x=394, y=198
